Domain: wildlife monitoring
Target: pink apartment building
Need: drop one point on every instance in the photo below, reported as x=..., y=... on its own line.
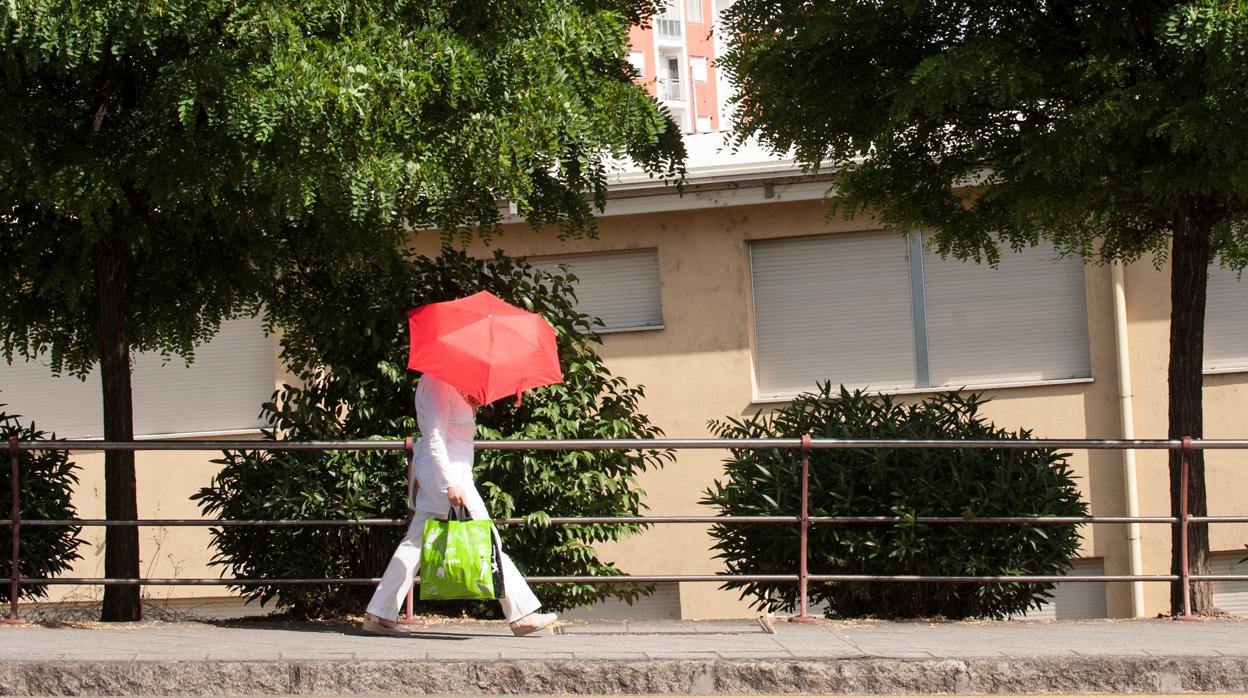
x=675, y=56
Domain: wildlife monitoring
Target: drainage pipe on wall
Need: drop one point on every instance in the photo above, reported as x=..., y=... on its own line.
x=1127, y=417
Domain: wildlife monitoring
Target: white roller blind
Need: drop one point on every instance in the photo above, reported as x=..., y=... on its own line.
x=663, y=604
x=1231, y=597
x=232, y=375
x=693, y=11
x=620, y=288
x=1076, y=599
x=1025, y=320
x=638, y=59
x=697, y=64
x=1226, y=321
x=832, y=308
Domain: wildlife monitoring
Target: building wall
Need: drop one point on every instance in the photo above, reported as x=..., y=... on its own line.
x=1225, y=403
x=699, y=367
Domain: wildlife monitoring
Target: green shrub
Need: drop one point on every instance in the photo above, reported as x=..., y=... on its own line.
x=907, y=483
x=47, y=486
x=345, y=335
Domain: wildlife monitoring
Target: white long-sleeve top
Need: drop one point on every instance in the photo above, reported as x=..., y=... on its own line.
x=444, y=454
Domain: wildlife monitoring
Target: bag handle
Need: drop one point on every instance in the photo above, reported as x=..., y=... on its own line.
x=458, y=513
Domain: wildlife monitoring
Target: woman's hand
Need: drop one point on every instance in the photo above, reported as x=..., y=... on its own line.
x=455, y=493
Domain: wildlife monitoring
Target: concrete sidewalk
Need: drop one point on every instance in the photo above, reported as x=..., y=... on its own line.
x=675, y=657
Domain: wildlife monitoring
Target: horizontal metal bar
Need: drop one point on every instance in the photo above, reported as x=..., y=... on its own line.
x=514, y=521
x=1218, y=519
x=659, y=519
x=628, y=444
x=210, y=522
x=573, y=520
x=651, y=579
x=998, y=579
x=1043, y=520
x=620, y=579
x=1219, y=577
x=658, y=578
x=218, y=445
x=119, y=581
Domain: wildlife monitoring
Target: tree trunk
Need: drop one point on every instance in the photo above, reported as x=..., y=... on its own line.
x=1189, y=273
x=121, y=544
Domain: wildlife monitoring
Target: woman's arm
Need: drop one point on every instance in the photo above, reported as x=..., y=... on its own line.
x=433, y=409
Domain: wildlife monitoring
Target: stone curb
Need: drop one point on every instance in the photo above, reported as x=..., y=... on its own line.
x=1051, y=675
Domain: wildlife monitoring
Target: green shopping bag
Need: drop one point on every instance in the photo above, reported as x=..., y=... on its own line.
x=459, y=559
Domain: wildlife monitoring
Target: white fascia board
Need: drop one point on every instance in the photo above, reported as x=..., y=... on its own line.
x=732, y=193
x=660, y=197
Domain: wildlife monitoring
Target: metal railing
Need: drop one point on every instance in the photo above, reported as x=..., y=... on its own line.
x=803, y=519
x=670, y=89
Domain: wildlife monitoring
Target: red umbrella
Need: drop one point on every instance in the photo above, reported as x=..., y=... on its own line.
x=484, y=346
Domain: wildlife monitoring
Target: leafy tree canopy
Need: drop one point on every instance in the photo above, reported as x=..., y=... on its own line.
x=1080, y=121
x=211, y=136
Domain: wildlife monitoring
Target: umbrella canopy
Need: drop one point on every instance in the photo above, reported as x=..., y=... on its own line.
x=484, y=346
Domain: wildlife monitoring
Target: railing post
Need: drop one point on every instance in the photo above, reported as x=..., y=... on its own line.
x=409, y=615
x=803, y=575
x=1185, y=561
x=16, y=518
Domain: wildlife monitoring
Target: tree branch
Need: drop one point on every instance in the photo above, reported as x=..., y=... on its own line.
x=112, y=70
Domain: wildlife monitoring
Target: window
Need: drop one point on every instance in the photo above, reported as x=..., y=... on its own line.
x=638, y=59
x=874, y=310
x=809, y=317
x=620, y=288
x=667, y=19
x=1226, y=321
x=222, y=390
x=693, y=11
x=698, y=65
x=1024, y=321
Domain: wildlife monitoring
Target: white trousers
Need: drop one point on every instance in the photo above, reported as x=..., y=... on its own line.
x=405, y=565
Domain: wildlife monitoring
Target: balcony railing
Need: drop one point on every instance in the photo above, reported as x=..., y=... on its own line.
x=671, y=89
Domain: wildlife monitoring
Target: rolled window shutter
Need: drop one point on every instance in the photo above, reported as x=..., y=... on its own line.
x=1025, y=320
x=1231, y=596
x=222, y=390
x=833, y=307
x=60, y=405
x=1226, y=321
x=1076, y=599
x=620, y=288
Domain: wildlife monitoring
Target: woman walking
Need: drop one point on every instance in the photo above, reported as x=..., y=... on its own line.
x=443, y=473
